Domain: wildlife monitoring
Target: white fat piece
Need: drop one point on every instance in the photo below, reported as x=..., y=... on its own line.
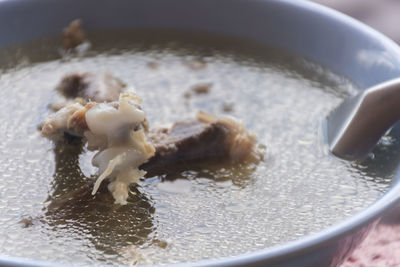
x=118, y=163
x=104, y=119
x=111, y=160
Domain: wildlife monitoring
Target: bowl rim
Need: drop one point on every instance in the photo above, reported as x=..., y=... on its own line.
x=308, y=242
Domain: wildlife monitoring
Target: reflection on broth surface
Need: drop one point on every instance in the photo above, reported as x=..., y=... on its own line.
x=205, y=211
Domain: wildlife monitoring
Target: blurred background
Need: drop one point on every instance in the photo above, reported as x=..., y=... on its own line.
x=382, y=15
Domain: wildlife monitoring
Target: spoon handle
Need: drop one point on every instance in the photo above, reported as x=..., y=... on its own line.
x=356, y=126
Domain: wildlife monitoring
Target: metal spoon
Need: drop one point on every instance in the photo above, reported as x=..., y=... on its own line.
x=356, y=126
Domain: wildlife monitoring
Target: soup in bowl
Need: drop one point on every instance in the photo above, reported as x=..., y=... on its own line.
x=296, y=202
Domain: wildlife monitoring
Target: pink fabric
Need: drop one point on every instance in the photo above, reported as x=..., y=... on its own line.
x=380, y=248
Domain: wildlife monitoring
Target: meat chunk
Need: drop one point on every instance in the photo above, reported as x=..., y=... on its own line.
x=201, y=88
x=117, y=130
x=84, y=87
x=56, y=124
x=127, y=151
x=73, y=35
x=239, y=144
x=101, y=87
x=206, y=138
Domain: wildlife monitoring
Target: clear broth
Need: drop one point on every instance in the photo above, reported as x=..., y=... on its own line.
x=205, y=212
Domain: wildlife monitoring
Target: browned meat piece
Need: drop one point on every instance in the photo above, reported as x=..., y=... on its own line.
x=102, y=87
x=201, y=88
x=73, y=35
x=207, y=138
